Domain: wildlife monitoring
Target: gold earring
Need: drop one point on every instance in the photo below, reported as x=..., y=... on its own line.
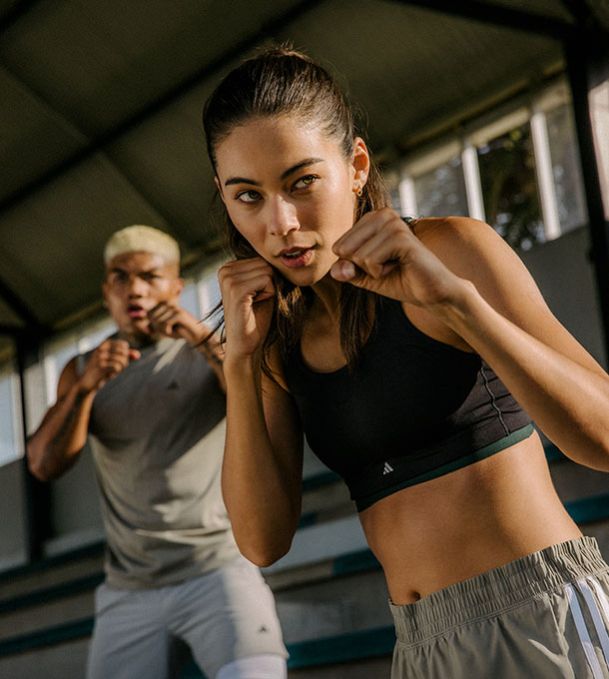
x=359, y=192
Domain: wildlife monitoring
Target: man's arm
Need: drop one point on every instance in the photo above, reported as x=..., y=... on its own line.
x=57, y=443
x=61, y=436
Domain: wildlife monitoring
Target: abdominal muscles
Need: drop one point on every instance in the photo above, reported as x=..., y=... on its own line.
x=460, y=525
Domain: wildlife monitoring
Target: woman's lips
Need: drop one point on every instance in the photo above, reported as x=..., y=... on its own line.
x=295, y=258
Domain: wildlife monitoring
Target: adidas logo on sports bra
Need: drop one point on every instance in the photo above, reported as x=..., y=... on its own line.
x=387, y=468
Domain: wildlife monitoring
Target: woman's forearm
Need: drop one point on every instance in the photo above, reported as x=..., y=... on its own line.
x=569, y=402
x=261, y=485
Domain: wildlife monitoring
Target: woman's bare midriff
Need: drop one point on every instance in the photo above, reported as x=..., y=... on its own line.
x=457, y=526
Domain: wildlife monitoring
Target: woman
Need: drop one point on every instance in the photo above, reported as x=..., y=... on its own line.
x=410, y=356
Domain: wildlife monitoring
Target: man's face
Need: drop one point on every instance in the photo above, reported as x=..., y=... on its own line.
x=135, y=283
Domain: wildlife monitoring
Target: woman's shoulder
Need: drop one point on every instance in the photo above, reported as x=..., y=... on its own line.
x=472, y=250
x=469, y=247
x=450, y=229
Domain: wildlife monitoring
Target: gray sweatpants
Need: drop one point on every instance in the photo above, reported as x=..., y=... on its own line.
x=544, y=616
x=223, y=615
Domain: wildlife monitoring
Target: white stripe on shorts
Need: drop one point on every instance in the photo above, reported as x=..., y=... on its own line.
x=597, y=619
x=582, y=632
x=601, y=596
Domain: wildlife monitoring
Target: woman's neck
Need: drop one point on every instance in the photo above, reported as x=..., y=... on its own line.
x=327, y=297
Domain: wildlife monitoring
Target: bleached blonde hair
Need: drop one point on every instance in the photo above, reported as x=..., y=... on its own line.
x=139, y=238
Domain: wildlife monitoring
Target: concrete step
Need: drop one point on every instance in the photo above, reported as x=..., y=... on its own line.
x=67, y=660
x=49, y=608
x=52, y=571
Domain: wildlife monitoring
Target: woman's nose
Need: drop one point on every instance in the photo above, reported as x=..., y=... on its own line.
x=282, y=217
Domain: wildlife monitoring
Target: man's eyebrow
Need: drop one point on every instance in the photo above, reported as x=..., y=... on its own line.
x=284, y=175
x=117, y=269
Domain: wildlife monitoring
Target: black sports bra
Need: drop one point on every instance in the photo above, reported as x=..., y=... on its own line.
x=412, y=409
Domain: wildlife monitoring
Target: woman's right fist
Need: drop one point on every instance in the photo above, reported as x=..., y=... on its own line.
x=248, y=297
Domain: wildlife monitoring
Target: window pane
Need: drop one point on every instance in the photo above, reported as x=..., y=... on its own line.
x=212, y=291
x=8, y=435
x=509, y=188
x=94, y=336
x=599, y=103
x=57, y=357
x=565, y=168
x=189, y=301
x=441, y=191
x=392, y=184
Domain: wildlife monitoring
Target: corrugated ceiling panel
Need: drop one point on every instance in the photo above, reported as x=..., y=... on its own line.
x=52, y=244
x=32, y=136
x=600, y=8
x=167, y=159
x=8, y=316
x=6, y=7
x=420, y=67
x=102, y=62
x=550, y=8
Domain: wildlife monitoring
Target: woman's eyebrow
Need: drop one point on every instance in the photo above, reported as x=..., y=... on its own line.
x=300, y=165
x=240, y=180
x=284, y=175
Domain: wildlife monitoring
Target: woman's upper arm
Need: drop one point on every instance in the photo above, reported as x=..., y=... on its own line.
x=474, y=251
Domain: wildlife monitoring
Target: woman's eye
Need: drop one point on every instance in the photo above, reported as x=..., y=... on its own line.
x=306, y=181
x=248, y=196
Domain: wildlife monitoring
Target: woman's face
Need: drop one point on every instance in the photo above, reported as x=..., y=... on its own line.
x=290, y=192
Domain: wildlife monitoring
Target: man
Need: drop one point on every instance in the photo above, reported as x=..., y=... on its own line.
x=150, y=400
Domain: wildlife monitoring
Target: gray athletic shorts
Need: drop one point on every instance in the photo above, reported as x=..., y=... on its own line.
x=223, y=615
x=544, y=616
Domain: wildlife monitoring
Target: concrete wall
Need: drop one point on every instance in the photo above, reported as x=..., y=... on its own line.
x=12, y=515
x=564, y=274
x=75, y=508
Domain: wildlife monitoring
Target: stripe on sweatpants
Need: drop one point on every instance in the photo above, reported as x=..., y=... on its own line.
x=582, y=631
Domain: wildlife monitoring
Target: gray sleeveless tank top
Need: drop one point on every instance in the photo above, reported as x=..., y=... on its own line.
x=157, y=438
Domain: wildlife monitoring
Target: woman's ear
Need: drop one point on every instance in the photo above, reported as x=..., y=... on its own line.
x=361, y=164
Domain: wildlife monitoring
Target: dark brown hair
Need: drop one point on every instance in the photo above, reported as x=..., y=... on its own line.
x=282, y=81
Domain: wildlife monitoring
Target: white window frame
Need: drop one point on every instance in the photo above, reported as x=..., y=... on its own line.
x=545, y=174
x=473, y=184
x=17, y=415
x=16, y=422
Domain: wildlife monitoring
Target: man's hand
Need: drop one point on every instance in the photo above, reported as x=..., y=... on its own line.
x=170, y=320
x=107, y=361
